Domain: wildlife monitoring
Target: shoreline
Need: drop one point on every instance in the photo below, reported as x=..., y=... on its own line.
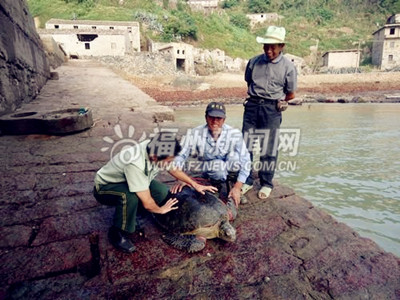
x=230, y=88
x=316, y=100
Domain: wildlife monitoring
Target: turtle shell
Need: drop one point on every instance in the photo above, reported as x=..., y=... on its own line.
x=194, y=211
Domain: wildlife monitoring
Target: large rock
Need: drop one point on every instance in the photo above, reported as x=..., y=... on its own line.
x=286, y=249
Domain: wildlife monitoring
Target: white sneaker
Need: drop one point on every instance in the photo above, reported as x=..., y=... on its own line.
x=246, y=188
x=264, y=192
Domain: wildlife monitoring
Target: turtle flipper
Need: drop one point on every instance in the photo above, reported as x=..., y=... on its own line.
x=189, y=243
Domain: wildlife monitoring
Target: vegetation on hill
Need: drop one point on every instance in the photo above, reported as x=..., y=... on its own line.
x=312, y=25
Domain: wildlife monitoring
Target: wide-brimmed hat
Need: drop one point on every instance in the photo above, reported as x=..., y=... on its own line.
x=216, y=110
x=274, y=35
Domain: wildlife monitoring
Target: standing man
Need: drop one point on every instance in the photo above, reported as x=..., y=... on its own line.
x=127, y=182
x=271, y=80
x=220, y=149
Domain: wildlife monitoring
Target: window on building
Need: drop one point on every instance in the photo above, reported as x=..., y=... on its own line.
x=75, y=26
x=392, y=31
x=87, y=46
x=86, y=37
x=390, y=58
x=56, y=26
x=183, y=51
x=177, y=51
x=111, y=27
x=94, y=27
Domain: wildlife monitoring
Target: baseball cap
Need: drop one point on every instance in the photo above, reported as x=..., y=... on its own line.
x=216, y=109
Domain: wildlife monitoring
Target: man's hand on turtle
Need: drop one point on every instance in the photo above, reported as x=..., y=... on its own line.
x=203, y=188
x=177, y=188
x=169, y=205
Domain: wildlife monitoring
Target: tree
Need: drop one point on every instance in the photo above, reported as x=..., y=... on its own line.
x=258, y=6
x=179, y=25
x=391, y=6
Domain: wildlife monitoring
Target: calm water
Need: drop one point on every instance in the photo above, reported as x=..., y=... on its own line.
x=348, y=162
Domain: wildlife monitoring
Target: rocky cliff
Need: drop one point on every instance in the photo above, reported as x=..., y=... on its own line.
x=24, y=68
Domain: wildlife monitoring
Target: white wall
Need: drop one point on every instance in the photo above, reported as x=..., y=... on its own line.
x=113, y=38
x=342, y=60
x=113, y=45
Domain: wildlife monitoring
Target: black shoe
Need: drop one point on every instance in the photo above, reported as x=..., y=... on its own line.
x=119, y=240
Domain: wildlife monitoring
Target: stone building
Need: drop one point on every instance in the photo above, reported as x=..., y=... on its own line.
x=185, y=57
x=203, y=5
x=211, y=58
x=386, y=44
x=298, y=62
x=94, y=38
x=235, y=64
x=341, y=59
x=181, y=53
x=256, y=19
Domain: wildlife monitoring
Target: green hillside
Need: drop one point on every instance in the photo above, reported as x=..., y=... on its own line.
x=334, y=24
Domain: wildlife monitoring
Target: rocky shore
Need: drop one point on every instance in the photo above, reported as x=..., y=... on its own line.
x=54, y=234
x=377, y=87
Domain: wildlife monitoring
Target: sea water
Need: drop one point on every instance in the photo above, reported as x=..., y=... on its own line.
x=346, y=161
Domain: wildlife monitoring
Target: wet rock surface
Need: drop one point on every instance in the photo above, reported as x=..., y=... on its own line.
x=54, y=234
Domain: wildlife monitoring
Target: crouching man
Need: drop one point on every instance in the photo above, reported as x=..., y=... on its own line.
x=220, y=149
x=127, y=182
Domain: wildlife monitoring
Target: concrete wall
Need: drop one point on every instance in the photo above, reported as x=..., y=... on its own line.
x=341, y=59
x=109, y=37
x=24, y=68
x=104, y=44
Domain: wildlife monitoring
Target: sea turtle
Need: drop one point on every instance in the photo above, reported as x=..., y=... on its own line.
x=198, y=218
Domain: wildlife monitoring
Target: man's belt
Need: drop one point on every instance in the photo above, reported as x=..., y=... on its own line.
x=260, y=101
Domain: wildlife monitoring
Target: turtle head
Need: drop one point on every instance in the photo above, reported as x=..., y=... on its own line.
x=227, y=232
